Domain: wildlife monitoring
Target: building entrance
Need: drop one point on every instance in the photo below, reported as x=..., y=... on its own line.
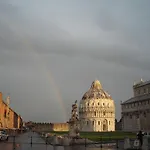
x=105, y=125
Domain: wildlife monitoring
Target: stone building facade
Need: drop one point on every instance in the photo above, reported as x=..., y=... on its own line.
x=9, y=119
x=97, y=110
x=136, y=110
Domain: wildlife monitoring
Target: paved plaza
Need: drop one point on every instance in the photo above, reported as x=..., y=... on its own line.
x=25, y=142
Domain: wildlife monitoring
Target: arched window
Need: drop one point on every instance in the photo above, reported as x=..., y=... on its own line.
x=87, y=122
x=130, y=116
x=104, y=113
x=95, y=113
x=93, y=122
x=98, y=122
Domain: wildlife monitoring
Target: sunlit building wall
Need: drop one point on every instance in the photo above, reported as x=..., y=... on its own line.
x=97, y=110
x=9, y=119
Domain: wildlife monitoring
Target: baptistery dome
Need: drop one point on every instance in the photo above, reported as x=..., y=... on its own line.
x=97, y=109
x=96, y=92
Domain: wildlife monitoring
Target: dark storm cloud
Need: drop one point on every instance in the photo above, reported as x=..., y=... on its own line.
x=55, y=43
x=72, y=46
x=125, y=56
x=6, y=8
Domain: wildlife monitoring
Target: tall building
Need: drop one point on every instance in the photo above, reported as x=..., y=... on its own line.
x=136, y=110
x=9, y=119
x=97, y=110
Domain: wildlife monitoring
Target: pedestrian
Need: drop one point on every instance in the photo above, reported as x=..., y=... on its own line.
x=140, y=137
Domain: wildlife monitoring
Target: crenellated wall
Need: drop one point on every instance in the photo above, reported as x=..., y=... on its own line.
x=50, y=126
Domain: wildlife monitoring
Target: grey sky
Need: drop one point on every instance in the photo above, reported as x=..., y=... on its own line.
x=51, y=51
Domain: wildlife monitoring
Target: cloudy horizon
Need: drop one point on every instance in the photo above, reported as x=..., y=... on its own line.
x=51, y=51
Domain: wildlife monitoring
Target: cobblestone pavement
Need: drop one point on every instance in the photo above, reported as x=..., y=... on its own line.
x=23, y=142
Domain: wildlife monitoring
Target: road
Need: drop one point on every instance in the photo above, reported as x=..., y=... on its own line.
x=23, y=142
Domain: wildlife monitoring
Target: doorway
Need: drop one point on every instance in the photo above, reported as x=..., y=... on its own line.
x=105, y=125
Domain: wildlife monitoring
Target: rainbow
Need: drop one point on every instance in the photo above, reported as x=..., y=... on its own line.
x=48, y=73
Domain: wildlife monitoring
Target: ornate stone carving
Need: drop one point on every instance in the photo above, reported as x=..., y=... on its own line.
x=96, y=92
x=74, y=124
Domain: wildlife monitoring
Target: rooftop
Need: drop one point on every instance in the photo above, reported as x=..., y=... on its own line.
x=96, y=85
x=96, y=92
x=141, y=83
x=137, y=98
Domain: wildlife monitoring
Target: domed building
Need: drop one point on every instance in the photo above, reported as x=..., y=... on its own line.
x=97, y=110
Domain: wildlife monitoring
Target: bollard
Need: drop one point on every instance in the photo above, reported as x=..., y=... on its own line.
x=46, y=140
x=101, y=143
x=14, y=142
x=31, y=141
x=85, y=143
x=117, y=144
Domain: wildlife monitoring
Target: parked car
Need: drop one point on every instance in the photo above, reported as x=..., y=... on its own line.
x=4, y=136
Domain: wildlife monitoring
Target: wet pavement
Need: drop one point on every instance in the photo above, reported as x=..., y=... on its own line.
x=26, y=141
x=32, y=141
